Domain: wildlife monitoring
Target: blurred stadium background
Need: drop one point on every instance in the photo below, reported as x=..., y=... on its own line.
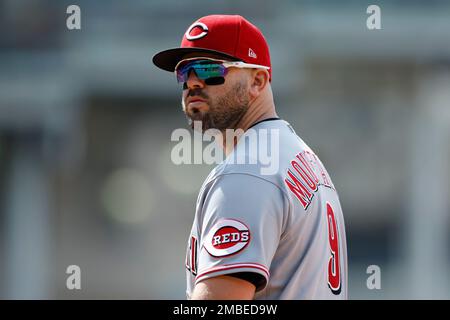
x=86, y=119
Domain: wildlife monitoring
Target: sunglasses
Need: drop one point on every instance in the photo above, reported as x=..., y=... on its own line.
x=211, y=71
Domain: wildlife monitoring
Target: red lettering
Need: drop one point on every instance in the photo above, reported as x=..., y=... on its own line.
x=309, y=181
x=299, y=190
x=325, y=177
x=307, y=164
x=194, y=255
x=334, y=271
x=191, y=256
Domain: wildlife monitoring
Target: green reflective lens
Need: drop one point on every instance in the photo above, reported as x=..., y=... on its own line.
x=204, y=69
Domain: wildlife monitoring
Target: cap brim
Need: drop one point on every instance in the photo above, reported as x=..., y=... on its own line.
x=168, y=59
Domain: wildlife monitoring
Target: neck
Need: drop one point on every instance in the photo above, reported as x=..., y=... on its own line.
x=259, y=109
x=255, y=113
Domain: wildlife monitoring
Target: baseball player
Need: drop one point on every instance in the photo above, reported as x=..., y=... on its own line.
x=256, y=235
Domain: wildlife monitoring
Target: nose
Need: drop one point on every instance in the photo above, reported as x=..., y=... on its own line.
x=193, y=81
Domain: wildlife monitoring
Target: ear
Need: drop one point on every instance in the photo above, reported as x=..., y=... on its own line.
x=259, y=79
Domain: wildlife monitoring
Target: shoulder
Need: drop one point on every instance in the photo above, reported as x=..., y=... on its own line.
x=242, y=184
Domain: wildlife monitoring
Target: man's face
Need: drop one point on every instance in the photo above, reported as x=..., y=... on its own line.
x=218, y=106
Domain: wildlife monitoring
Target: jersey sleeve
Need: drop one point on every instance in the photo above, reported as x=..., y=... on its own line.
x=243, y=219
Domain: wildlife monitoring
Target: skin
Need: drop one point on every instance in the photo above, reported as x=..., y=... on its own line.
x=223, y=288
x=245, y=98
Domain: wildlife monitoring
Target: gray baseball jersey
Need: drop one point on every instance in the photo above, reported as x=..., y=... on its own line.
x=275, y=220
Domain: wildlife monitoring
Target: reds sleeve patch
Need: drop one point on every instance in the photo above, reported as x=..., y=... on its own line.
x=227, y=237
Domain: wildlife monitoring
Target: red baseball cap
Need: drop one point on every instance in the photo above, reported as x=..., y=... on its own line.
x=230, y=37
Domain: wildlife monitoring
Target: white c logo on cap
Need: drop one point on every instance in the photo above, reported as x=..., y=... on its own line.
x=201, y=35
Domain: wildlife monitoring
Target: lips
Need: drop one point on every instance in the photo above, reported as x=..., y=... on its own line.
x=191, y=100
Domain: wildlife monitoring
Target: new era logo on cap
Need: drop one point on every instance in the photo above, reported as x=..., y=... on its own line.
x=252, y=53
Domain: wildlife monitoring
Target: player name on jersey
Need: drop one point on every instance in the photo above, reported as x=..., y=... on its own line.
x=305, y=174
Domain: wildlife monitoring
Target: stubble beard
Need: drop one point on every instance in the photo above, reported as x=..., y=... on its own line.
x=224, y=112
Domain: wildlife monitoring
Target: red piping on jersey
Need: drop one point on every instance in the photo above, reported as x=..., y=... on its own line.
x=234, y=266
